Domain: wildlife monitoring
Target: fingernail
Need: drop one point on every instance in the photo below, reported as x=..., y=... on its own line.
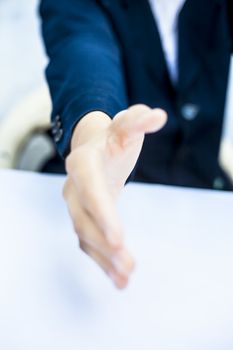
x=119, y=265
x=119, y=281
x=112, y=276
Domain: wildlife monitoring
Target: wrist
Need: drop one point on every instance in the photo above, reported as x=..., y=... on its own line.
x=88, y=127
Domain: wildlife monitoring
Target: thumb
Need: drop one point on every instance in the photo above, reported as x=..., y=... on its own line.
x=137, y=121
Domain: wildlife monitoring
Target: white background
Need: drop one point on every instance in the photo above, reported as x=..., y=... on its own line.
x=22, y=58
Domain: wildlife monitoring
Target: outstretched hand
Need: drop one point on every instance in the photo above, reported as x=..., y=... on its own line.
x=104, y=153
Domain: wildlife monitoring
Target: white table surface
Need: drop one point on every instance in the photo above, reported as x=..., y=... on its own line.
x=54, y=297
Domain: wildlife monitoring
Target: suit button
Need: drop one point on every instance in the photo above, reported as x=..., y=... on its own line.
x=56, y=121
x=190, y=111
x=55, y=127
x=218, y=183
x=58, y=135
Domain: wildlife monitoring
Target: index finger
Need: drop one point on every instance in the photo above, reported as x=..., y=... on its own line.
x=95, y=195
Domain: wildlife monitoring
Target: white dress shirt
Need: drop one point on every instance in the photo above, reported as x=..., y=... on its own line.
x=166, y=14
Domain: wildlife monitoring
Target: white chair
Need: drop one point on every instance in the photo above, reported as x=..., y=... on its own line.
x=32, y=117
x=18, y=129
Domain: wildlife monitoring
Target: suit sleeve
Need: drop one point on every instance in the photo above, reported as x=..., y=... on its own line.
x=230, y=13
x=85, y=71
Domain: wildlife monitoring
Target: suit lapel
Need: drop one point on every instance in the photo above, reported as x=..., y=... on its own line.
x=142, y=34
x=146, y=34
x=194, y=37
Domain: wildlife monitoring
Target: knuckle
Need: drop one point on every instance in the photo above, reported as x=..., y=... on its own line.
x=131, y=265
x=118, y=115
x=78, y=226
x=140, y=108
x=83, y=246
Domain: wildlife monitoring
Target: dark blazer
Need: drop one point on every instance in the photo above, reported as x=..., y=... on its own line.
x=107, y=54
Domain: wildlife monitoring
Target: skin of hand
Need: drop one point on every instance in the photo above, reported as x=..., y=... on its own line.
x=103, y=154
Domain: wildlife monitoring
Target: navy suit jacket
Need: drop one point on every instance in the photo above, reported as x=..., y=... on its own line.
x=106, y=55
